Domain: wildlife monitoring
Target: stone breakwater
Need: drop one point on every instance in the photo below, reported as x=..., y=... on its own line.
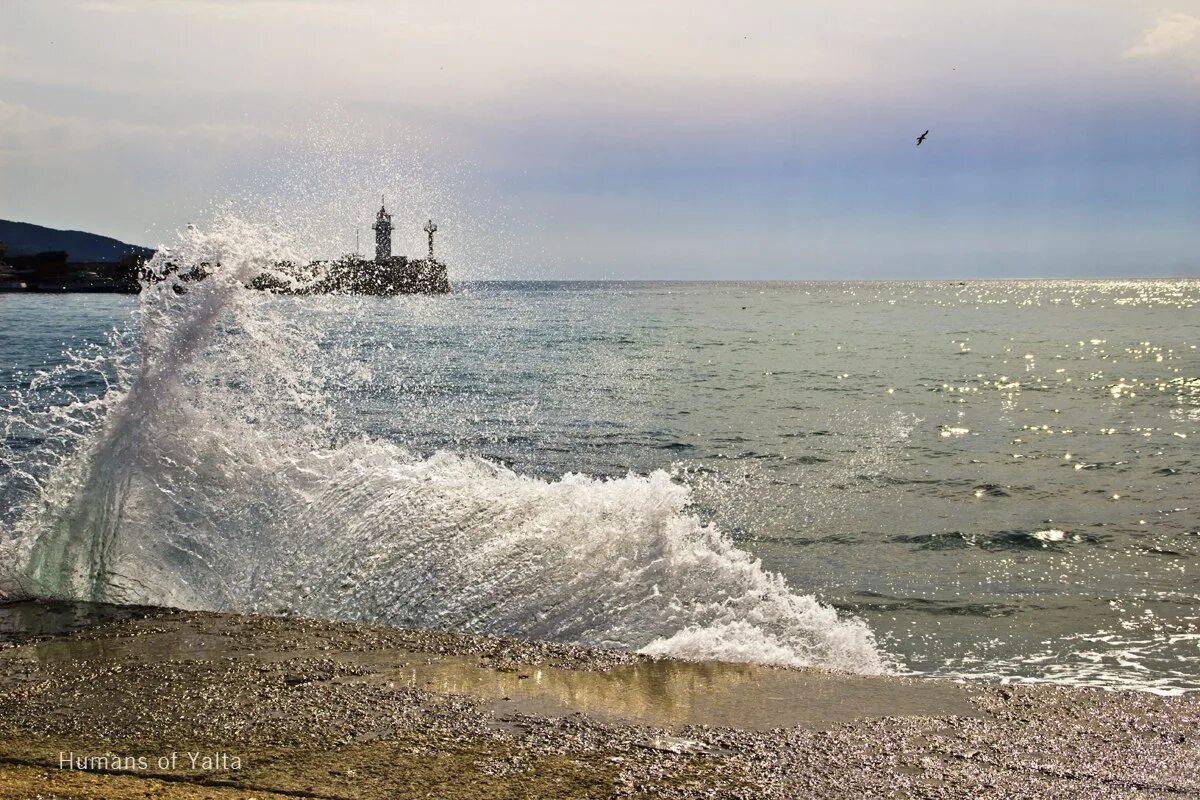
x=169, y=704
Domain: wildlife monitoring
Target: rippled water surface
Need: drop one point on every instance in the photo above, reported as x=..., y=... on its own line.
x=1000, y=479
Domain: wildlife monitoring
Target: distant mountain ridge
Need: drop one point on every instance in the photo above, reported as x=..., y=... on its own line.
x=24, y=238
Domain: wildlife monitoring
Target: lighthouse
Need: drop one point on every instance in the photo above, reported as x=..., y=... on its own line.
x=383, y=235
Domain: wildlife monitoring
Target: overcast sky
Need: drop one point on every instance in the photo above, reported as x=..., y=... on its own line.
x=692, y=139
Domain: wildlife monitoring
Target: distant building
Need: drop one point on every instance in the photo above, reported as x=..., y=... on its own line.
x=383, y=235
x=9, y=279
x=352, y=274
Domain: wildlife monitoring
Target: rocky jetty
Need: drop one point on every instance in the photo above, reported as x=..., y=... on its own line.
x=355, y=275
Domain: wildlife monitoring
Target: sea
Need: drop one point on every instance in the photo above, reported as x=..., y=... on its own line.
x=993, y=481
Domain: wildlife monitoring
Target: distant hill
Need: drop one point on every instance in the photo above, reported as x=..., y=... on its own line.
x=23, y=238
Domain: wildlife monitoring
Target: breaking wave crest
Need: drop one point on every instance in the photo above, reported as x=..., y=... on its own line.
x=211, y=473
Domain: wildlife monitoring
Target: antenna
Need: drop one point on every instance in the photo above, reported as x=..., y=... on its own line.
x=431, y=229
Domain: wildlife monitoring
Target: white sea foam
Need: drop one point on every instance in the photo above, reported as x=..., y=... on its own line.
x=209, y=475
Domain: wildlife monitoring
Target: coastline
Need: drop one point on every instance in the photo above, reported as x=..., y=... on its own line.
x=286, y=707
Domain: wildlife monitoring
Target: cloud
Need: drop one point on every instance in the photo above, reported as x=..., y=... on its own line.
x=217, y=9
x=105, y=7
x=31, y=132
x=698, y=111
x=1172, y=33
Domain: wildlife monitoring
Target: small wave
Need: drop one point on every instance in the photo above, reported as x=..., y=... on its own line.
x=994, y=540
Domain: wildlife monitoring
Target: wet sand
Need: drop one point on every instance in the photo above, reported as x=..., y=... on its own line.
x=109, y=702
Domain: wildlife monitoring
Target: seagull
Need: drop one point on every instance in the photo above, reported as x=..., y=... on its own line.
x=921, y=138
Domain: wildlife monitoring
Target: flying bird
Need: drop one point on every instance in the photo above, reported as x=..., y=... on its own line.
x=921, y=138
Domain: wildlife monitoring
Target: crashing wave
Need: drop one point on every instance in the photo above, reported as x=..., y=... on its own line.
x=211, y=473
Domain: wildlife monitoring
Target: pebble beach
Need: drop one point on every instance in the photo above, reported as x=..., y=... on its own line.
x=99, y=701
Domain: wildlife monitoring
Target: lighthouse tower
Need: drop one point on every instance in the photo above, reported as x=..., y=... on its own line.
x=383, y=234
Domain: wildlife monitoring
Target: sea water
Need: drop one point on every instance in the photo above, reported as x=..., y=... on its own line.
x=989, y=480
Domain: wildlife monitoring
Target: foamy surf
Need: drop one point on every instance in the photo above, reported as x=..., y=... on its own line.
x=212, y=475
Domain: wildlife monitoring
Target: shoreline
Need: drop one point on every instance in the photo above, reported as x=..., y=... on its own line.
x=311, y=708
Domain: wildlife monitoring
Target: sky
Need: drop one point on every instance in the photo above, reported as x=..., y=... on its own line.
x=770, y=139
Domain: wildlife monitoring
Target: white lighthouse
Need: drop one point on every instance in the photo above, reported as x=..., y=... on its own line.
x=383, y=234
